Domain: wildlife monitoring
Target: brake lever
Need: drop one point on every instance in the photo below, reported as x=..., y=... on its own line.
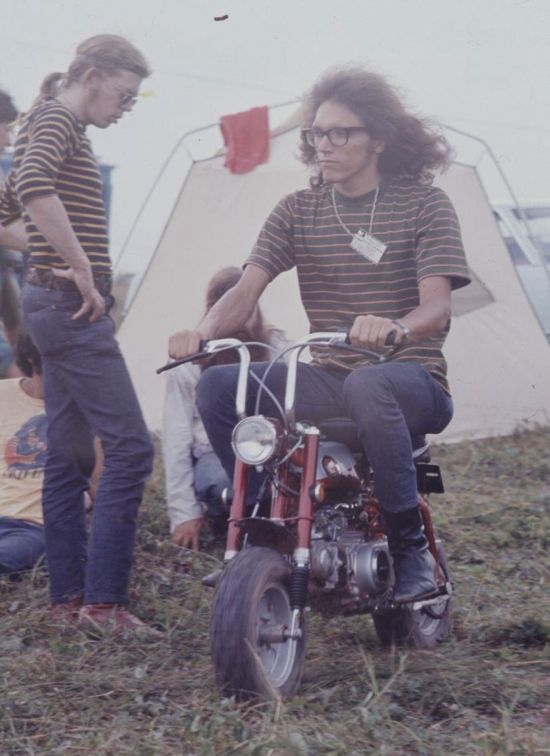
x=346, y=345
x=183, y=361
x=190, y=358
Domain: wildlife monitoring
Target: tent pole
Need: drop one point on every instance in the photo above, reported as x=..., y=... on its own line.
x=164, y=166
x=523, y=215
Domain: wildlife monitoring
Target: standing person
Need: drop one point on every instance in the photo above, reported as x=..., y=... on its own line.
x=15, y=239
x=55, y=185
x=195, y=478
x=377, y=249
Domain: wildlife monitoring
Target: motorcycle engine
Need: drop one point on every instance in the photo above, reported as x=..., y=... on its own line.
x=342, y=556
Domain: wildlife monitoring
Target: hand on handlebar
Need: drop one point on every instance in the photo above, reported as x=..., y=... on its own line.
x=184, y=343
x=373, y=332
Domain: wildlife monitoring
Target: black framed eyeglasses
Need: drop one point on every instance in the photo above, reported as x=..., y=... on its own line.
x=337, y=136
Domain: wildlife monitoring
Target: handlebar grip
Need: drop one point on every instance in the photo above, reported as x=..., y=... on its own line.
x=390, y=338
x=176, y=363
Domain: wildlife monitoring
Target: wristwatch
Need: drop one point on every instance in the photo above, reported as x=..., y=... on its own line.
x=404, y=330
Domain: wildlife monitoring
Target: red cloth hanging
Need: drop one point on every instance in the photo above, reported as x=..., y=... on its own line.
x=246, y=136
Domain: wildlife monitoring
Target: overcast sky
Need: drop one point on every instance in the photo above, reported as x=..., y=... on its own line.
x=480, y=65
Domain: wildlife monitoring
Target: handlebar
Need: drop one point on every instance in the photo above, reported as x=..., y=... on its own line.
x=205, y=352
x=332, y=339
x=338, y=340
x=220, y=345
x=335, y=339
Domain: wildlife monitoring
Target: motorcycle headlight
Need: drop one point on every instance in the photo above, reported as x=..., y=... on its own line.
x=254, y=440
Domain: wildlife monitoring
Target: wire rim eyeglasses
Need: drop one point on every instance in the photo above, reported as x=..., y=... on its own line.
x=125, y=97
x=337, y=136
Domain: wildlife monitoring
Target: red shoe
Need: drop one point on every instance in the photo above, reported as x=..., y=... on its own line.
x=65, y=611
x=112, y=619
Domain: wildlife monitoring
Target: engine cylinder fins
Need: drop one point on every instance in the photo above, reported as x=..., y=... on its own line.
x=371, y=566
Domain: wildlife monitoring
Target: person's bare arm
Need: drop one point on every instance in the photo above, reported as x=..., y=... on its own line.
x=14, y=236
x=227, y=316
x=50, y=217
x=429, y=317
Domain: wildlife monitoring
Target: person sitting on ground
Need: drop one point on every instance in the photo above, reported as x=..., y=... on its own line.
x=195, y=478
x=23, y=445
x=23, y=455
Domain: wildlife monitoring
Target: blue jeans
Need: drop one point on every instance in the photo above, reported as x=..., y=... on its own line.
x=87, y=392
x=388, y=403
x=210, y=479
x=21, y=545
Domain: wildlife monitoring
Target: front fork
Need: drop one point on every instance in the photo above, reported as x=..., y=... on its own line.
x=237, y=511
x=299, y=577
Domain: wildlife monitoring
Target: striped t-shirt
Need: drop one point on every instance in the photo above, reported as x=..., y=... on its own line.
x=416, y=222
x=53, y=155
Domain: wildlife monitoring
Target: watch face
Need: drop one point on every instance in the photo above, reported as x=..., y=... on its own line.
x=404, y=329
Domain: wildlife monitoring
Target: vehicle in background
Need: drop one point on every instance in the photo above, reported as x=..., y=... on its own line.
x=526, y=232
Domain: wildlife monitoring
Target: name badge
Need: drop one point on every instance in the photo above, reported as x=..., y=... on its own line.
x=369, y=246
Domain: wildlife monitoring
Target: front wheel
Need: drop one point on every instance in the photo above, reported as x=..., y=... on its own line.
x=422, y=628
x=250, y=615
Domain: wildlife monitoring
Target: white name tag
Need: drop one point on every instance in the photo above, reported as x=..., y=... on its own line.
x=369, y=246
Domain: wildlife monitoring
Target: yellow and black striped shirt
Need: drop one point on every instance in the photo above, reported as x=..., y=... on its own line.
x=416, y=222
x=53, y=155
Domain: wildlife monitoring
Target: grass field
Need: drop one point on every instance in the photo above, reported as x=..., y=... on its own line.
x=487, y=691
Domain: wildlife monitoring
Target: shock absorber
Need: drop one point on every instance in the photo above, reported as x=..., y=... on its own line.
x=299, y=579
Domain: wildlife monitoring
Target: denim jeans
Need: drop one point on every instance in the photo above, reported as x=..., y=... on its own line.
x=388, y=403
x=87, y=393
x=210, y=479
x=21, y=545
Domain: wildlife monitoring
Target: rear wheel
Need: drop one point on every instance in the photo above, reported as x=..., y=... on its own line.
x=422, y=628
x=250, y=613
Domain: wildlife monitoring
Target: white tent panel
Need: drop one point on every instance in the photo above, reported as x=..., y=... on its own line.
x=215, y=222
x=498, y=355
x=499, y=359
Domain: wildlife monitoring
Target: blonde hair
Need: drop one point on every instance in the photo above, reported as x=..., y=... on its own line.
x=107, y=53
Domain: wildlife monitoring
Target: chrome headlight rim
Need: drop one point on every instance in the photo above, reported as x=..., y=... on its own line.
x=258, y=450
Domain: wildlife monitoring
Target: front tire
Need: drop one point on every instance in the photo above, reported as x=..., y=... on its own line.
x=422, y=628
x=252, y=598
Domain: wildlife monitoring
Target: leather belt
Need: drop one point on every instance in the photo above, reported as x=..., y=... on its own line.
x=46, y=278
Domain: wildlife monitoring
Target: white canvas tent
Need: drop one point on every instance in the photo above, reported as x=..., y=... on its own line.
x=498, y=355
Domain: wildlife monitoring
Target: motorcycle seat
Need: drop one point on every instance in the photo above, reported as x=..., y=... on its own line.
x=345, y=431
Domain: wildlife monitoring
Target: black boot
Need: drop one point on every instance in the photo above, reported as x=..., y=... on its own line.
x=413, y=563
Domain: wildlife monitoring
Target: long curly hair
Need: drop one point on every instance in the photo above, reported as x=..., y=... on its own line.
x=414, y=150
